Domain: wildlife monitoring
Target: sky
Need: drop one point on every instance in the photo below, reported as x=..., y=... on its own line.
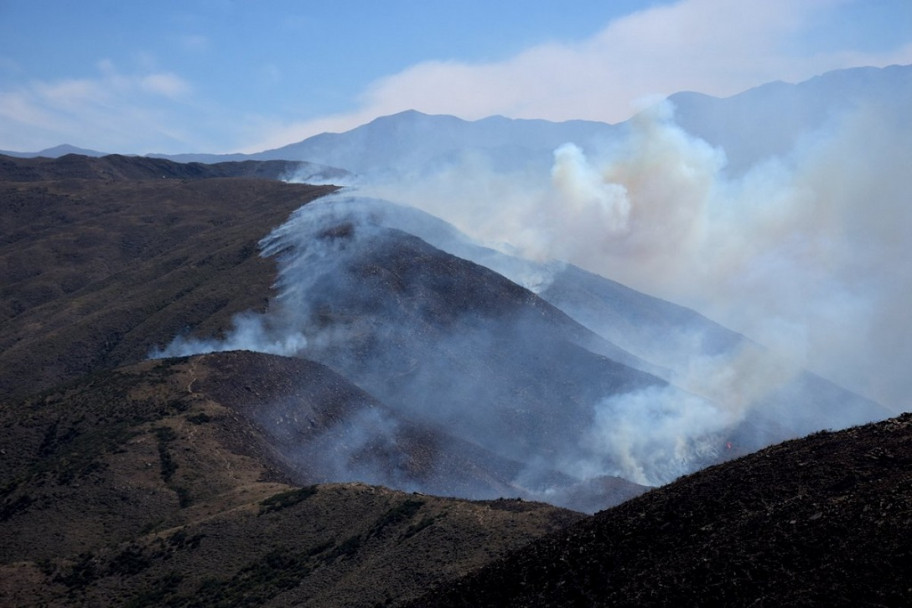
x=224, y=76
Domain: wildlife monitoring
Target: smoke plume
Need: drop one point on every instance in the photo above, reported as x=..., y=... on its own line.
x=804, y=254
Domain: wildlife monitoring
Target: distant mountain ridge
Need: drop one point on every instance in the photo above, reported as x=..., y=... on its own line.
x=118, y=167
x=758, y=123
x=763, y=121
x=413, y=141
x=769, y=120
x=54, y=152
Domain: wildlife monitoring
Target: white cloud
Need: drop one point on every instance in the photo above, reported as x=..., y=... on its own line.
x=110, y=108
x=167, y=85
x=717, y=47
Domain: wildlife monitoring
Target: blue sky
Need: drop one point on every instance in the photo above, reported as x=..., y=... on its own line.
x=239, y=75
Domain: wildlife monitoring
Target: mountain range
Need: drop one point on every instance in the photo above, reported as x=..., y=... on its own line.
x=189, y=423
x=766, y=121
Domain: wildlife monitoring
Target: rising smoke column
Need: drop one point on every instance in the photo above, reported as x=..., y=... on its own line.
x=804, y=253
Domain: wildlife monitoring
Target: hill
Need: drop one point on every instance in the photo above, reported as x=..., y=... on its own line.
x=97, y=269
x=156, y=483
x=811, y=522
x=119, y=168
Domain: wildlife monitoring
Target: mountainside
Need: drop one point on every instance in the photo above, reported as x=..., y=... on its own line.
x=95, y=271
x=677, y=340
x=469, y=367
x=457, y=345
x=189, y=481
x=159, y=483
x=156, y=484
x=441, y=341
x=817, y=521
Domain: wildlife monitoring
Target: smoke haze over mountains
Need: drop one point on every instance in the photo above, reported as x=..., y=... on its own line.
x=802, y=252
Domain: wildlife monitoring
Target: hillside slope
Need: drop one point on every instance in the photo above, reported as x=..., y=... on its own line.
x=96, y=270
x=817, y=521
x=157, y=483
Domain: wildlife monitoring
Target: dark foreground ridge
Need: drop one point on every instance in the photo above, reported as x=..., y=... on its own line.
x=819, y=521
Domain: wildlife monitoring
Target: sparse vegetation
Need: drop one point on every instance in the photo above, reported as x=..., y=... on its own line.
x=165, y=435
x=200, y=418
x=132, y=560
x=124, y=247
x=287, y=499
x=414, y=529
x=11, y=507
x=184, y=497
x=156, y=594
x=402, y=512
x=256, y=583
x=79, y=575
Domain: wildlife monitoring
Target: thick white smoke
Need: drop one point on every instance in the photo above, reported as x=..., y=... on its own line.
x=805, y=253
x=653, y=436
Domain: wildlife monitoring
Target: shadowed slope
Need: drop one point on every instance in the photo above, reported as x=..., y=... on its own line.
x=440, y=340
x=817, y=521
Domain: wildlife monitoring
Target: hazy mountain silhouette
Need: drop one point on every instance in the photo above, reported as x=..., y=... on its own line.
x=54, y=152
x=770, y=120
x=750, y=127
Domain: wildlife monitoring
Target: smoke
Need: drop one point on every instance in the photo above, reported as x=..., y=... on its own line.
x=653, y=436
x=805, y=253
x=249, y=332
x=448, y=347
